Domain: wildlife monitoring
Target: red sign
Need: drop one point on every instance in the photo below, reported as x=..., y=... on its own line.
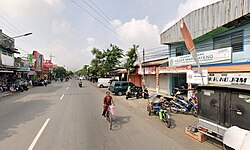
x=48, y=64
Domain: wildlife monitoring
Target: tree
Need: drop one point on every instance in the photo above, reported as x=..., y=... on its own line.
x=132, y=56
x=60, y=72
x=112, y=58
x=105, y=60
x=83, y=71
x=95, y=66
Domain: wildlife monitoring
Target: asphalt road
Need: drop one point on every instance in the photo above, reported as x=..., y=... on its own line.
x=64, y=116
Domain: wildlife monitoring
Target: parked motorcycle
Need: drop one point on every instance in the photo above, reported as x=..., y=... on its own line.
x=164, y=114
x=145, y=93
x=160, y=106
x=179, y=104
x=135, y=91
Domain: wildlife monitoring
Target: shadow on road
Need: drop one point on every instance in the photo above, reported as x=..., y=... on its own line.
x=119, y=121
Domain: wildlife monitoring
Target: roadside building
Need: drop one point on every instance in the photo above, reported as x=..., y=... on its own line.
x=149, y=71
x=7, y=68
x=221, y=33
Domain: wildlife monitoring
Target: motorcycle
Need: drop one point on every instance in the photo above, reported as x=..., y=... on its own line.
x=164, y=114
x=145, y=93
x=80, y=84
x=160, y=106
x=179, y=104
x=135, y=91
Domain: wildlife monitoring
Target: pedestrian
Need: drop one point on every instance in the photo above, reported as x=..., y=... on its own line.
x=107, y=101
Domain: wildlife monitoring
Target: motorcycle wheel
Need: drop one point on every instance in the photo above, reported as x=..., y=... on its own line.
x=167, y=120
x=126, y=98
x=137, y=96
x=173, y=110
x=149, y=111
x=195, y=112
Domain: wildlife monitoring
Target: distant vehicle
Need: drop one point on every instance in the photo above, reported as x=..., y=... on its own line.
x=103, y=82
x=39, y=82
x=120, y=87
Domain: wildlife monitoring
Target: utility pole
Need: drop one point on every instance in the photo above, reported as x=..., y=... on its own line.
x=51, y=56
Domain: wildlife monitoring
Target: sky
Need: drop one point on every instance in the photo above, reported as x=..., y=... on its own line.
x=70, y=29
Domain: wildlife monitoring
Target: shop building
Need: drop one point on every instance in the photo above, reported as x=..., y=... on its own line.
x=221, y=33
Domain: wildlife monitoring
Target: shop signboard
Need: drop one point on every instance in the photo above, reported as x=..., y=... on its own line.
x=229, y=78
x=148, y=70
x=175, y=69
x=218, y=56
x=194, y=77
x=7, y=60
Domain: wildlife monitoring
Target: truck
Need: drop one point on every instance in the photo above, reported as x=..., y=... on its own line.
x=221, y=107
x=103, y=82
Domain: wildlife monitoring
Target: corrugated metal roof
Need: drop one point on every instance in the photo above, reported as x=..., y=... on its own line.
x=207, y=19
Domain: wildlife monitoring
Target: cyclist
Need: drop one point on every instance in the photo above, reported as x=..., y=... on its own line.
x=107, y=101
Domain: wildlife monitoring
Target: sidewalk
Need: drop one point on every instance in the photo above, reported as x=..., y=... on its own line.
x=5, y=94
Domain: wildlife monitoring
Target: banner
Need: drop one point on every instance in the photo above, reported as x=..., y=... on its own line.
x=229, y=78
x=218, y=56
x=194, y=77
x=189, y=41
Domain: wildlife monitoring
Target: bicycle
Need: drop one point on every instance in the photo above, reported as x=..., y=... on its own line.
x=110, y=114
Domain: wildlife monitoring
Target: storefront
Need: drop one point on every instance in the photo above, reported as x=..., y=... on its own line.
x=150, y=78
x=170, y=78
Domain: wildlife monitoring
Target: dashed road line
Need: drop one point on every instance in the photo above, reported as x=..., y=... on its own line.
x=67, y=88
x=38, y=135
x=62, y=97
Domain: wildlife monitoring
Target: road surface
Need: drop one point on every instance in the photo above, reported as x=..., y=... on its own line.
x=63, y=116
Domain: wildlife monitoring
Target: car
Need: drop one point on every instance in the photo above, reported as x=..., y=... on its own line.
x=103, y=82
x=120, y=87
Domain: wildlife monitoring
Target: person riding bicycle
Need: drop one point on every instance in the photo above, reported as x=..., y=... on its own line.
x=107, y=101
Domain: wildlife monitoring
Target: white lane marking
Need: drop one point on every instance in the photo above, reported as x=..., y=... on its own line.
x=38, y=134
x=62, y=97
x=70, y=84
x=67, y=88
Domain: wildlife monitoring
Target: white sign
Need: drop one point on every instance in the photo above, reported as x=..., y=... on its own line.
x=194, y=77
x=7, y=60
x=223, y=55
x=230, y=78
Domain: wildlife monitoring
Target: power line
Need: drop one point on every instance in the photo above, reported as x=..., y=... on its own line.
x=108, y=19
x=98, y=20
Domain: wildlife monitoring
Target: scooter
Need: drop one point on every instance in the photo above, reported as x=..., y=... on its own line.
x=136, y=91
x=184, y=106
x=145, y=93
x=80, y=84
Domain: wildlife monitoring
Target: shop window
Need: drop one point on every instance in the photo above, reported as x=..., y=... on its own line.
x=234, y=40
x=180, y=51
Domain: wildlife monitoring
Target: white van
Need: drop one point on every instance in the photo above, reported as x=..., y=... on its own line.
x=103, y=82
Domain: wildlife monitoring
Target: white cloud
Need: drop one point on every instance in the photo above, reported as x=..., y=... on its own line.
x=31, y=8
x=187, y=7
x=73, y=58
x=140, y=31
x=61, y=28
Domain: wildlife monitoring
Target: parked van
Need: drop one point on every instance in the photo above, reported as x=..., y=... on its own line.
x=103, y=82
x=120, y=87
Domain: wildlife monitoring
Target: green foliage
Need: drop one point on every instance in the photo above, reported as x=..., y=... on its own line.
x=105, y=60
x=60, y=72
x=131, y=54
